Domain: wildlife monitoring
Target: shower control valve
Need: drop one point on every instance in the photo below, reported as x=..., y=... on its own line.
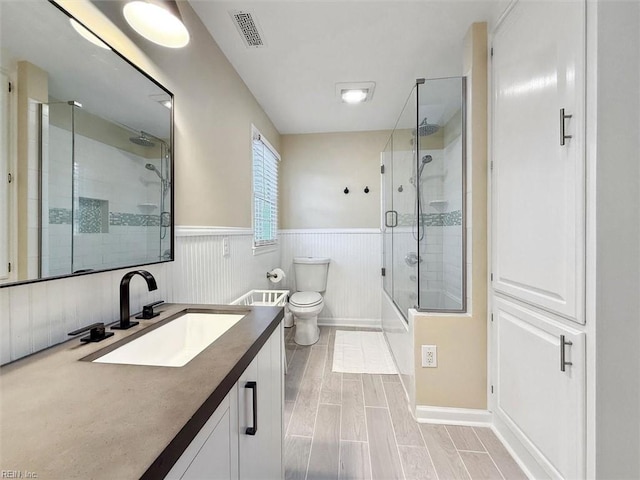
x=412, y=259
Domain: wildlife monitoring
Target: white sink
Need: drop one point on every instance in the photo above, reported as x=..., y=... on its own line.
x=173, y=344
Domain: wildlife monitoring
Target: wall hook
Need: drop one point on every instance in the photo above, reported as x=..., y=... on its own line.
x=400, y=189
x=366, y=189
x=346, y=190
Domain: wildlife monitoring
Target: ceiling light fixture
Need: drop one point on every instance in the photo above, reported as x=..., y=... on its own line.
x=157, y=21
x=355, y=92
x=354, y=96
x=87, y=35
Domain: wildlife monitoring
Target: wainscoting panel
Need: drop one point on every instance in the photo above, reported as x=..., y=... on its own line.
x=354, y=285
x=203, y=274
x=39, y=315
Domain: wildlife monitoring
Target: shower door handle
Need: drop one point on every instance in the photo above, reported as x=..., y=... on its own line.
x=394, y=218
x=563, y=135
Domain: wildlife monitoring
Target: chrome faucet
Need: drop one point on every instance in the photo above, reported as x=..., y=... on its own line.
x=125, y=323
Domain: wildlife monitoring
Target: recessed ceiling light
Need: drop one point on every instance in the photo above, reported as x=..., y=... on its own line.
x=354, y=96
x=355, y=92
x=157, y=21
x=87, y=35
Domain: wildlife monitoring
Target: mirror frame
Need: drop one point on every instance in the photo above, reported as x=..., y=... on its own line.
x=54, y=4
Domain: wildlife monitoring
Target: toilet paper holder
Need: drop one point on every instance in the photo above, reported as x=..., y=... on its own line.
x=276, y=275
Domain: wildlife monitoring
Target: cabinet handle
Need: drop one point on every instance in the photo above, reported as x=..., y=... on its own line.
x=563, y=135
x=563, y=344
x=254, y=387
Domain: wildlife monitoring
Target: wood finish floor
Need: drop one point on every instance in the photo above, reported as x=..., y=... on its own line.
x=358, y=427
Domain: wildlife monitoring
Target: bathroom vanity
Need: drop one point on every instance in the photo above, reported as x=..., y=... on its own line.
x=63, y=415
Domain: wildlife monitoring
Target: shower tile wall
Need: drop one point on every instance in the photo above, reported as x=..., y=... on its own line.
x=441, y=246
x=452, y=227
x=431, y=244
x=114, y=186
x=60, y=202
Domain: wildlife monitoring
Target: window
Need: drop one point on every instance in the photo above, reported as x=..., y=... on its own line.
x=265, y=193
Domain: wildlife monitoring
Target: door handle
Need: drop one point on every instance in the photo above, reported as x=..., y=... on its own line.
x=254, y=387
x=394, y=218
x=563, y=361
x=563, y=135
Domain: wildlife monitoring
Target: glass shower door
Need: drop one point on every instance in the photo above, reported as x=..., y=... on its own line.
x=405, y=233
x=424, y=241
x=389, y=218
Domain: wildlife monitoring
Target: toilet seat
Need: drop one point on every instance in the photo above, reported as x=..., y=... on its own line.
x=305, y=299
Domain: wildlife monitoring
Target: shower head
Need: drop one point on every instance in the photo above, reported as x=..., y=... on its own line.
x=425, y=160
x=153, y=168
x=425, y=129
x=142, y=140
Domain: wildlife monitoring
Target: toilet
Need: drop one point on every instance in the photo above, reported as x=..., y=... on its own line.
x=307, y=302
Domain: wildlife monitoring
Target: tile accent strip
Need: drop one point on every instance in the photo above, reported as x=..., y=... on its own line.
x=446, y=219
x=62, y=216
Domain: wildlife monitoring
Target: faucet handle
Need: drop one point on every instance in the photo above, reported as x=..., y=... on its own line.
x=96, y=333
x=147, y=310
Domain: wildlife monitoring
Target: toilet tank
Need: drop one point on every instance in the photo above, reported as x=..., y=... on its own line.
x=311, y=273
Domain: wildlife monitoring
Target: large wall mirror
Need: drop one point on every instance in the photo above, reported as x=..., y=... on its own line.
x=85, y=138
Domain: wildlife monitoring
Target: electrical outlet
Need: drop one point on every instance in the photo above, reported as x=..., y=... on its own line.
x=225, y=247
x=429, y=356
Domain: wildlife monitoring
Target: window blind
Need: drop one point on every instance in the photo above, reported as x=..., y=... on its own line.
x=265, y=193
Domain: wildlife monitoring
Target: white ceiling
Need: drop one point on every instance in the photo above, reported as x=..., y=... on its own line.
x=312, y=45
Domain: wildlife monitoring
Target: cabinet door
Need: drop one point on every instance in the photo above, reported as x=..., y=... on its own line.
x=261, y=453
x=542, y=405
x=211, y=455
x=539, y=185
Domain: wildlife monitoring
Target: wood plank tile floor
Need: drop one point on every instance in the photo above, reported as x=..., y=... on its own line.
x=358, y=427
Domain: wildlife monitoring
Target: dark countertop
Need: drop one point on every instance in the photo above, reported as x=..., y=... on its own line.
x=64, y=418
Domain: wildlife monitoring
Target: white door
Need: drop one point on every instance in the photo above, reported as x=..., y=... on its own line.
x=261, y=450
x=542, y=404
x=538, y=184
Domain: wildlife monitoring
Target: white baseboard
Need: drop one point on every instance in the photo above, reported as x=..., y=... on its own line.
x=350, y=322
x=484, y=418
x=453, y=416
x=520, y=453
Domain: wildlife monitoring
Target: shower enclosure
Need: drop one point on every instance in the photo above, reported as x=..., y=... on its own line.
x=424, y=200
x=105, y=193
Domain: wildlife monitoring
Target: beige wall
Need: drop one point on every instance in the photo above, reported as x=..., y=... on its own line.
x=460, y=380
x=213, y=114
x=316, y=168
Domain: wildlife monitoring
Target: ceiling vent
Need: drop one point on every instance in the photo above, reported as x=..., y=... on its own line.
x=248, y=28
